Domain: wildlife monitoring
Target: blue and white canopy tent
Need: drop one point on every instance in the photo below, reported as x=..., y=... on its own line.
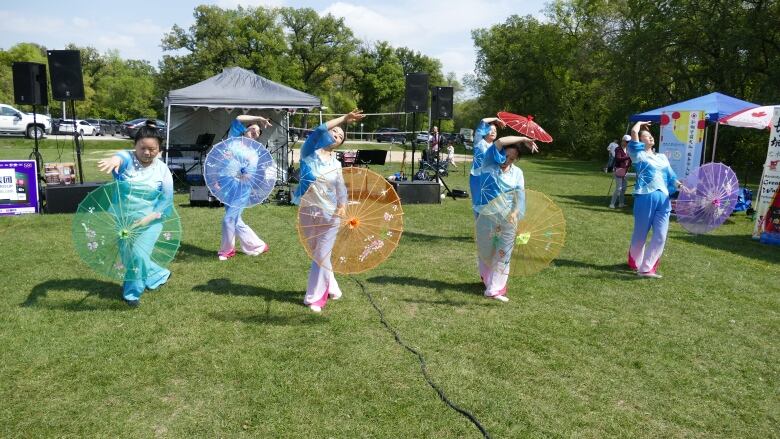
x=715, y=106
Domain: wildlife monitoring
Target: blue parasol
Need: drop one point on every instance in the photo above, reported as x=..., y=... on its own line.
x=240, y=172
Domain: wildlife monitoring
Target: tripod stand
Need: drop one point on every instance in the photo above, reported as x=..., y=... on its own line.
x=439, y=178
x=77, y=139
x=36, y=155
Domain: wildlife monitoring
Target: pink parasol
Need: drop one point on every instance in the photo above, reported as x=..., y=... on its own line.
x=758, y=117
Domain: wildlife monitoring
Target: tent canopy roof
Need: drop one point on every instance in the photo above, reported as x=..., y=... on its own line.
x=240, y=88
x=715, y=106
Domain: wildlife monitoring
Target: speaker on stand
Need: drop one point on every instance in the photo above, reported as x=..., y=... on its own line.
x=416, y=101
x=441, y=108
x=67, y=84
x=30, y=89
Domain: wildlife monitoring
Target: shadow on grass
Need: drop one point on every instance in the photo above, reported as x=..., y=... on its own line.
x=620, y=269
x=424, y=237
x=225, y=286
x=97, y=288
x=187, y=251
x=472, y=288
x=742, y=245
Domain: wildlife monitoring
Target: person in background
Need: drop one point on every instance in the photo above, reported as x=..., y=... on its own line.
x=621, y=165
x=232, y=224
x=611, y=159
x=140, y=167
x=433, y=143
x=451, y=154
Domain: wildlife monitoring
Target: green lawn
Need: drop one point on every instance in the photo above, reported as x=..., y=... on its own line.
x=226, y=349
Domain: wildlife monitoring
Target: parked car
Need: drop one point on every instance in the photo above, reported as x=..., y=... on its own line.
x=450, y=137
x=392, y=135
x=131, y=127
x=423, y=137
x=13, y=121
x=69, y=126
x=103, y=127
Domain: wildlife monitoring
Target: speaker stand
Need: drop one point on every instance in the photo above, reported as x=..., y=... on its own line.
x=414, y=142
x=438, y=164
x=36, y=155
x=77, y=140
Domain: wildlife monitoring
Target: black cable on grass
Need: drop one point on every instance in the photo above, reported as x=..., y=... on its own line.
x=423, y=366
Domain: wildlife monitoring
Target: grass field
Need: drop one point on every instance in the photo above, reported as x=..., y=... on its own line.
x=226, y=349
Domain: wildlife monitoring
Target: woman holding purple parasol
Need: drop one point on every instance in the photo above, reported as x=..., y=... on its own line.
x=655, y=183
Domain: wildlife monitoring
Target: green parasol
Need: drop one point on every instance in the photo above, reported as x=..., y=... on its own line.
x=117, y=233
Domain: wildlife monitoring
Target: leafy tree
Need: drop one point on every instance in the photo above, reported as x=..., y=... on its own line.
x=319, y=47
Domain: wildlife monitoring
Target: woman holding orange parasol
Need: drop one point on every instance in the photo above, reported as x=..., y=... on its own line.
x=318, y=160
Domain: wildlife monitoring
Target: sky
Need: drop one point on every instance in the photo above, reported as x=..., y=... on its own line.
x=439, y=29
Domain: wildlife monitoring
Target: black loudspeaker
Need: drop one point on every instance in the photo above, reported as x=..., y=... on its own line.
x=416, y=100
x=441, y=103
x=30, y=84
x=66, y=198
x=67, y=83
x=417, y=192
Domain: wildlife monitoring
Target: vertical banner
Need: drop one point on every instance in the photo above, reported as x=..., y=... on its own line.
x=767, y=200
x=18, y=187
x=682, y=134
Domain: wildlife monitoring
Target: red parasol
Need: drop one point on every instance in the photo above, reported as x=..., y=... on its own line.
x=525, y=126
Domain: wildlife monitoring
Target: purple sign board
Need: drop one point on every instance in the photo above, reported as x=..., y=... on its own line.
x=18, y=187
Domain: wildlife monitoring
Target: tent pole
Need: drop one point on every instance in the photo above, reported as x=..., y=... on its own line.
x=167, y=134
x=704, y=146
x=714, y=141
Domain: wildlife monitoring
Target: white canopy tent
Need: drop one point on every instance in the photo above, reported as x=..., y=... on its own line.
x=210, y=106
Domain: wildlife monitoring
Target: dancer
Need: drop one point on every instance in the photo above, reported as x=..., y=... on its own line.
x=318, y=160
x=499, y=177
x=232, y=223
x=655, y=182
x=484, y=135
x=141, y=167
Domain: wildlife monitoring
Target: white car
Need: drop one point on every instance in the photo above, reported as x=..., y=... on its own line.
x=423, y=136
x=84, y=128
x=13, y=121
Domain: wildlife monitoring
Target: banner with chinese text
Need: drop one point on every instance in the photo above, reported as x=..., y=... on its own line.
x=768, y=215
x=682, y=135
x=18, y=187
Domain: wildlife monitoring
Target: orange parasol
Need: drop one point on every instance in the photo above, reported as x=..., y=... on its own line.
x=367, y=231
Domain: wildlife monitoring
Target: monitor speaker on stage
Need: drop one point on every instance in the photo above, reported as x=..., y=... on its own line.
x=416, y=93
x=66, y=198
x=417, y=192
x=441, y=103
x=30, y=83
x=67, y=82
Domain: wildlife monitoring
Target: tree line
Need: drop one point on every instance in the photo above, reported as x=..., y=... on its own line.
x=582, y=70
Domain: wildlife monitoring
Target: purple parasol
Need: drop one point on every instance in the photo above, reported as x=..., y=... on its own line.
x=707, y=198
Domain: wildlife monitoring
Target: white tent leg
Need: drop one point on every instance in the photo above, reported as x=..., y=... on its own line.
x=703, y=157
x=714, y=142
x=167, y=133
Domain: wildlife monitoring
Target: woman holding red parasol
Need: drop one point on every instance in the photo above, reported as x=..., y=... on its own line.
x=499, y=177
